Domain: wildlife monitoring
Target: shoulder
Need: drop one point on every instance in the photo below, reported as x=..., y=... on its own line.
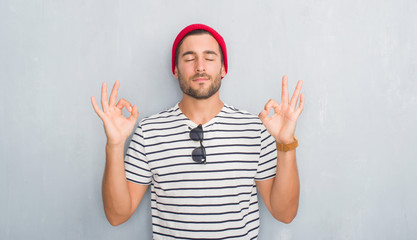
x=236, y=112
x=161, y=117
x=235, y=115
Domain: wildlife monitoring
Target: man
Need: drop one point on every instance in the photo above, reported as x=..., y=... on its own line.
x=205, y=161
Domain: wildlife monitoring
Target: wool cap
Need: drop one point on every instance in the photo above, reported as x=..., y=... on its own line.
x=193, y=27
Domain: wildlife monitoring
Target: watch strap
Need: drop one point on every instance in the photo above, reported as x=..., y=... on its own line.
x=287, y=147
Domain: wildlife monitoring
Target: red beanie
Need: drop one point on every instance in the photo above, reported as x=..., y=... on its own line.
x=193, y=27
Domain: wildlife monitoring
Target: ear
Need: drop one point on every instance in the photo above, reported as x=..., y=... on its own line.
x=223, y=71
x=176, y=72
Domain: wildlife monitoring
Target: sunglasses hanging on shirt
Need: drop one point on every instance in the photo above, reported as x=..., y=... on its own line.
x=199, y=153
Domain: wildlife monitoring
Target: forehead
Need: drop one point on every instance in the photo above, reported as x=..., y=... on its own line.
x=199, y=43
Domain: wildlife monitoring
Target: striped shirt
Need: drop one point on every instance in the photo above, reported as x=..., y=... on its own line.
x=190, y=200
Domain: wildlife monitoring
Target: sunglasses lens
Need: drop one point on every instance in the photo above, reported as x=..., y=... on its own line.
x=199, y=155
x=197, y=133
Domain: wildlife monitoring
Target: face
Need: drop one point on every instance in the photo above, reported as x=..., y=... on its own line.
x=199, y=68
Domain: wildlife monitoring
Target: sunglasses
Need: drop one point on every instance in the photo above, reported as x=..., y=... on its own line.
x=199, y=153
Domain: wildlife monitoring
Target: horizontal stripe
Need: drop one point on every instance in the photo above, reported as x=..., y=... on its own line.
x=207, y=154
x=205, y=205
x=160, y=115
x=129, y=155
x=165, y=128
x=268, y=161
x=208, y=163
x=201, y=188
x=207, y=147
x=264, y=178
x=209, y=131
x=263, y=155
x=266, y=169
x=225, y=237
x=130, y=149
x=166, y=142
x=237, y=124
x=239, y=117
x=237, y=111
x=137, y=174
x=131, y=164
x=267, y=146
x=166, y=135
x=138, y=135
x=269, y=136
x=212, y=196
x=232, y=130
x=169, y=110
x=164, y=122
x=208, y=222
x=138, y=143
x=204, y=180
x=204, y=230
x=207, y=171
x=143, y=183
x=201, y=213
x=206, y=139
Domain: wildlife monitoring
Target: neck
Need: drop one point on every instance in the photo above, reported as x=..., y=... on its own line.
x=200, y=111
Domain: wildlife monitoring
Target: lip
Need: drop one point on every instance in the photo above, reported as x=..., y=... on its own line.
x=201, y=79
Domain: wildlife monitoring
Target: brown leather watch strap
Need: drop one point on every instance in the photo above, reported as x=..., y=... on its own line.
x=287, y=147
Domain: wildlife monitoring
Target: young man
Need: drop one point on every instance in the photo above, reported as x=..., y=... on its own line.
x=205, y=160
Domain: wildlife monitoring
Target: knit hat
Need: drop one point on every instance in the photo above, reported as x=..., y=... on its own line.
x=193, y=27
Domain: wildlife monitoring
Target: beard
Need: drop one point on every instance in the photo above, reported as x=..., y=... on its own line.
x=200, y=93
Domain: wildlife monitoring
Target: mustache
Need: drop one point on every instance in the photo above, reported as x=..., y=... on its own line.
x=199, y=75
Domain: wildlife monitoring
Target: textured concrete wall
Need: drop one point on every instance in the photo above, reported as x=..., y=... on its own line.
x=357, y=154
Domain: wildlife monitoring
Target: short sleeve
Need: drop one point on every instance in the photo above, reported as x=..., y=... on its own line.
x=267, y=158
x=136, y=165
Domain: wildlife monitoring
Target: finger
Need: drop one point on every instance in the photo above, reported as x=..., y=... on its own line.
x=113, y=94
x=300, y=107
x=296, y=94
x=263, y=115
x=104, y=102
x=124, y=103
x=272, y=104
x=96, y=107
x=134, y=114
x=284, y=89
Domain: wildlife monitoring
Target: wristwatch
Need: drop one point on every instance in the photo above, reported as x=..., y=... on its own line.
x=287, y=147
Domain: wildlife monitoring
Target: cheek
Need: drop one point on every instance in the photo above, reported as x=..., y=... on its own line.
x=186, y=67
x=213, y=66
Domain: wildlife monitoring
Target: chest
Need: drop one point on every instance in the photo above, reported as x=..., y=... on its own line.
x=232, y=159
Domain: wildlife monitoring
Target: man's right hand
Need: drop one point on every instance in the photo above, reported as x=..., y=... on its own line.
x=117, y=127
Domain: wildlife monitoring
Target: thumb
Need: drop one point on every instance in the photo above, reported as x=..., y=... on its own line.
x=263, y=115
x=134, y=114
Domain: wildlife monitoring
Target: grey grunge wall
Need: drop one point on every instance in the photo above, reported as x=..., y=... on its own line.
x=357, y=134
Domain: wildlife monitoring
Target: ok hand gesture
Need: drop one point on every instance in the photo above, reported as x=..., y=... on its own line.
x=281, y=125
x=117, y=127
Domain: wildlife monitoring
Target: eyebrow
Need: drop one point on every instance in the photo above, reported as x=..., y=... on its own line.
x=188, y=53
x=205, y=52
x=210, y=52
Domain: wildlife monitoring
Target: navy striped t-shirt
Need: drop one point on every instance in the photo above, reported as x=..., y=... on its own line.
x=190, y=200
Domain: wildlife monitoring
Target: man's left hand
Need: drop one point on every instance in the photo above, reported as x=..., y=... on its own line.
x=281, y=125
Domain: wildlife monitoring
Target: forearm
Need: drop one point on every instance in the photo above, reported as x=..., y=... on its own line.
x=286, y=187
x=116, y=197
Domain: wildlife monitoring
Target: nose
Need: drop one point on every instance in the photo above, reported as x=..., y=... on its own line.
x=200, y=65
